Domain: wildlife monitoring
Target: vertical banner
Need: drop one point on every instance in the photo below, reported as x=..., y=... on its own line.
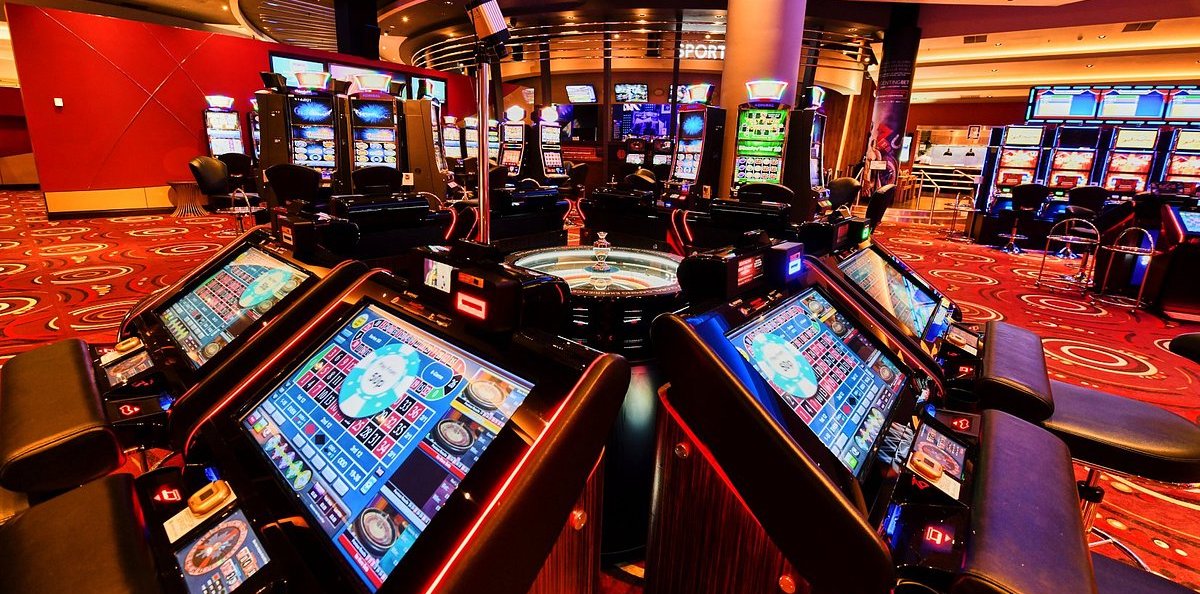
x=892, y=97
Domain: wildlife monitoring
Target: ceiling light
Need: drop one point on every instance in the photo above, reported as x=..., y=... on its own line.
x=616, y=36
x=1101, y=37
x=1088, y=65
x=570, y=18
x=708, y=35
x=998, y=44
x=641, y=14
x=641, y=21
x=224, y=7
x=404, y=19
x=995, y=69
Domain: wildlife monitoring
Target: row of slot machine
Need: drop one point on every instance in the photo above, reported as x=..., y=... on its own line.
x=223, y=127
x=1125, y=160
x=764, y=126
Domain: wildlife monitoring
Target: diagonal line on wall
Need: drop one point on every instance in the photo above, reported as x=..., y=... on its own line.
x=178, y=68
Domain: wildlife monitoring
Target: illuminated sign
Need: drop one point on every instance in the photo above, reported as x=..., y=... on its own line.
x=766, y=90
x=168, y=495
x=219, y=101
x=702, y=51
x=939, y=538
x=128, y=410
x=472, y=306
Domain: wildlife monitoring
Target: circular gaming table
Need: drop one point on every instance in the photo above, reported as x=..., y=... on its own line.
x=611, y=310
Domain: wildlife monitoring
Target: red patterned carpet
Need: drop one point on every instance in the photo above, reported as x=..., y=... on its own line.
x=79, y=277
x=1093, y=344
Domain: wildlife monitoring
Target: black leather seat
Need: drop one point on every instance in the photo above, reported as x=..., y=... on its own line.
x=1024, y=472
x=1186, y=345
x=377, y=180
x=241, y=172
x=1027, y=200
x=1125, y=435
x=881, y=199
x=843, y=191
x=87, y=540
x=212, y=178
x=1115, y=577
x=760, y=192
x=1119, y=434
x=1086, y=202
x=53, y=432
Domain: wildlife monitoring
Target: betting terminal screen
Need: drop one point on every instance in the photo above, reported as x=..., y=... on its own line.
x=1190, y=220
x=223, y=557
x=313, y=136
x=205, y=319
x=551, y=134
x=374, y=146
x=827, y=372
x=687, y=159
x=514, y=133
x=377, y=428
x=373, y=113
x=910, y=304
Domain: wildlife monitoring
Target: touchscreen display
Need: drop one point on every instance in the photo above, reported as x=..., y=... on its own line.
x=514, y=133
x=551, y=134
x=1191, y=220
x=222, y=558
x=377, y=428
x=124, y=370
x=938, y=459
x=826, y=371
x=205, y=319
x=911, y=305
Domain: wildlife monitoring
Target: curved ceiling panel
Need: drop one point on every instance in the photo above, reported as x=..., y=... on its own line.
x=306, y=23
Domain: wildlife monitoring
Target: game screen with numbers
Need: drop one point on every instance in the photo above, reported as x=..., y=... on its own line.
x=205, y=319
x=826, y=371
x=377, y=428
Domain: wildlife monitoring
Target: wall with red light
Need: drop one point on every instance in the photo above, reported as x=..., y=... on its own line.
x=133, y=93
x=14, y=134
x=1000, y=113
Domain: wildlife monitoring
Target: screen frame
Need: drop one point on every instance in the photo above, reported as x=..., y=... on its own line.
x=626, y=85
x=911, y=276
x=199, y=276
x=591, y=92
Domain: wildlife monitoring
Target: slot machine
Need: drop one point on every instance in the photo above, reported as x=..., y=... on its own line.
x=544, y=162
x=452, y=144
x=1130, y=160
x=300, y=125
x=371, y=124
x=512, y=142
x=493, y=140
x=255, y=126
x=635, y=152
x=1072, y=158
x=761, y=135
x=699, y=134
x=223, y=126
x=470, y=134
x=1183, y=160
x=1017, y=160
x=423, y=146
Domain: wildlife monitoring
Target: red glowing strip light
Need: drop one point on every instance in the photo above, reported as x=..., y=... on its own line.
x=437, y=580
x=472, y=306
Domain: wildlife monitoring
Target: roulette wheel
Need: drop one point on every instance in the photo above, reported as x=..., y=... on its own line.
x=376, y=530
x=216, y=547
x=487, y=394
x=943, y=458
x=454, y=435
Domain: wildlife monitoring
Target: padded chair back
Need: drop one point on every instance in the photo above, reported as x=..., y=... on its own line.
x=878, y=204
x=497, y=176
x=377, y=180
x=238, y=164
x=1029, y=196
x=844, y=191
x=578, y=174
x=211, y=175
x=642, y=179
x=764, y=192
x=1092, y=198
x=294, y=182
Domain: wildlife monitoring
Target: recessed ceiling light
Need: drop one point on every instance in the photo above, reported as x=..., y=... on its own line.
x=616, y=36
x=995, y=69
x=998, y=44
x=641, y=21
x=570, y=18
x=224, y=7
x=1101, y=37
x=708, y=35
x=404, y=19
x=1088, y=65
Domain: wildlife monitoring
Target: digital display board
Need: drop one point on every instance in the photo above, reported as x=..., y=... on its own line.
x=1023, y=135
x=632, y=92
x=376, y=429
x=1132, y=104
x=1157, y=104
x=1136, y=138
x=910, y=304
x=347, y=73
x=581, y=93
x=1188, y=140
x=373, y=113
x=434, y=88
x=645, y=120
x=205, y=319
x=1059, y=103
x=1190, y=220
x=1184, y=105
x=827, y=372
x=288, y=67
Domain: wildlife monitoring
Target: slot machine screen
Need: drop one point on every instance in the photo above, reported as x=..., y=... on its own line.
x=1136, y=139
x=1190, y=220
x=374, y=113
x=1184, y=165
x=377, y=428
x=223, y=557
x=222, y=120
x=551, y=134
x=204, y=320
x=1023, y=136
x=636, y=158
x=660, y=160
x=1073, y=160
x=691, y=125
x=1019, y=158
x=765, y=125
x=912, y=305
x=832, y=378
x=1188, y=140
x=312, y=110
x=514, y=133
x=510, y=158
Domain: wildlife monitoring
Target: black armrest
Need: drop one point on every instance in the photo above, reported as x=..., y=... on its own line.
x=1013, y=375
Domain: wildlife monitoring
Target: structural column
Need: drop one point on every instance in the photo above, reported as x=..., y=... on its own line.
x=357, y=25
x=763, y=40
x=892, y=97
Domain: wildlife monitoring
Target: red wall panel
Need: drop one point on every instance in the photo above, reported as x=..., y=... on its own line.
x=133, y=93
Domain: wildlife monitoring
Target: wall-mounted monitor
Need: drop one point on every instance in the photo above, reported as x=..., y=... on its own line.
x=581, y=93
x=427, y=88
x=632, y=92
x=1059, y=103
x=1132, y=104
x=288, y=67
x=645, y=120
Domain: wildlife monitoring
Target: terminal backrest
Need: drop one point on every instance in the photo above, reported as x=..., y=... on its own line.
x=241, y=171
x=878, y=204
x=292, y=183
x=765, y=192
x=377, y=180
x=843, y=191
x=212, y=176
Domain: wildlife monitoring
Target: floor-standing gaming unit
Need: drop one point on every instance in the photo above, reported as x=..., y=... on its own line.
x=1072, y=158
x=371, y=124
x=255, y=126
x=544, y=163
x=493, y=140
x=470, y=137
x=762, y=134
x=1183, y=161
x=223, y=126
x=699, y=134
x=1130, y=160
x=512, y=142
x=452, y=142
x=1018, y=158
x=299, y=125
x=423, y=146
